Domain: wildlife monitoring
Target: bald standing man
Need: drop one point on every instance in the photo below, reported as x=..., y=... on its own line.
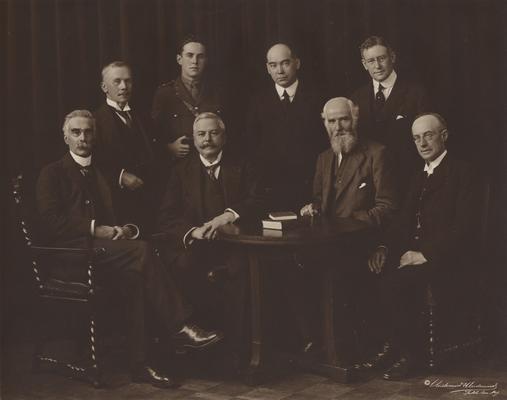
x=283, y=131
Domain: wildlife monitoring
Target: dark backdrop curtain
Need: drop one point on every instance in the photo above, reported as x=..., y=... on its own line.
x=54, y=51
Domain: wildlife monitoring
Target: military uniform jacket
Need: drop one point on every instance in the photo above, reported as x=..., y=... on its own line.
x=174, y=109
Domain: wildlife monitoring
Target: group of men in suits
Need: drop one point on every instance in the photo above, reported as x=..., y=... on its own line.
x=177, y=173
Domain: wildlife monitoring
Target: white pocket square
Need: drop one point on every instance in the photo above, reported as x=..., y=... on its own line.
x=362, y=185
x=399, y=117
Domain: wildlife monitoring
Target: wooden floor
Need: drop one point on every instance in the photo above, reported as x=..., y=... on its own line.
x=202, y=379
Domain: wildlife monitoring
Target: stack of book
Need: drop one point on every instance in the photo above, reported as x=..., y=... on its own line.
x=280, y=220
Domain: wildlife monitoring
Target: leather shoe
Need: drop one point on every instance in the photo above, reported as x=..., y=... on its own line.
x=381, y=360
x=147, y=374
x=193, y=337
x=399, y=370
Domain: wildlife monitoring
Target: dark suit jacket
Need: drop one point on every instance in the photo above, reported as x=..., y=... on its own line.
x=449, y=215
x=174, y=109
x=285, y=143
x=66, y=204
x=392, y=127
x=182, y=206
x=114, y=153
x=367, y=190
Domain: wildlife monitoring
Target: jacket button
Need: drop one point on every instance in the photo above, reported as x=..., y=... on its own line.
x=87, y=202
x=175, y=115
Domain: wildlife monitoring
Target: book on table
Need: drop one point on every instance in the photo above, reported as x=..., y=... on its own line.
x=283, y=216
x=279, y=225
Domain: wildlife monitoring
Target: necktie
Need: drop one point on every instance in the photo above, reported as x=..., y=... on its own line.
x=126, y=116
x=286, y=98
x=85, y=170
x=210, y=169
x=194, y=91
x=380, y=99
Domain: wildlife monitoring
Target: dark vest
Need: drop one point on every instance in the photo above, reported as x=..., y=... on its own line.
x=99, y=209
x=213, y=199
x=337, y=181
x=417, y=232
x=135, y=144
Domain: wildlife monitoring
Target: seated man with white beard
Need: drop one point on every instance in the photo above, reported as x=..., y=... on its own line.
x=354, y=178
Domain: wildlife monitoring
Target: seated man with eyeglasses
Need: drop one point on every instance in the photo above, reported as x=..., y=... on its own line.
x=432, y=241
x=388, y=104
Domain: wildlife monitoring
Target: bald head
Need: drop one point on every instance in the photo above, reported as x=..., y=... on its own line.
x=429, y=132
x=340, y=119
x=282, y=65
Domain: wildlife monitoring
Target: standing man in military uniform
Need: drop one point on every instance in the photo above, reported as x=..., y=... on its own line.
x=178, y=102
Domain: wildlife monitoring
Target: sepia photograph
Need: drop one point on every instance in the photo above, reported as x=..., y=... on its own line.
x=253, y=199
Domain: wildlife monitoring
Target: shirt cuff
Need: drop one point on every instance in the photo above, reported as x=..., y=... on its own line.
x=119, y=179
x=135, y=229
x=188, y=240
x=383, y=247
x=236, y=215
x=92, y=228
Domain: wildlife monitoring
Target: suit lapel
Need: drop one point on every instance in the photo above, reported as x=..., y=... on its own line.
x=105, y=193
x=74, y=173
x=182, y=93
x=439, y=176
x=231, y=178
x=194, y=184
x=397, y=95
x=353, y=161
x=327, y=173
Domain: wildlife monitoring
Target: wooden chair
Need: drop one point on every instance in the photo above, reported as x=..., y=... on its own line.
x=52, y=291
x=437, y=350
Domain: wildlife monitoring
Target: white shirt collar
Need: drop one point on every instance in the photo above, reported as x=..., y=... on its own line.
x=115, y=105
x=430, y=168
x=83, y=161
x=387, y=83
x=206, y=163
x=291, y=90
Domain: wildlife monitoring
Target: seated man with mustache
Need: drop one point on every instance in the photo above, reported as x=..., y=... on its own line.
x=208, y=189
x=354, y=178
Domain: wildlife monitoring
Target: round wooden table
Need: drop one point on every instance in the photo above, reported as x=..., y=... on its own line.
x=309, y=231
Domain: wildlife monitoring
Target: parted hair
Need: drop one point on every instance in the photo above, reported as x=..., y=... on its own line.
x=210, y=115
x=78, y=113
x=114, y=64
x=375, y=41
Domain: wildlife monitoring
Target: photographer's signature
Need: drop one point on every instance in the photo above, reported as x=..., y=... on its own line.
x=466, y=388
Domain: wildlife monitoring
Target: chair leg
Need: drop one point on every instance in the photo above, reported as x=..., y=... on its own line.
x=96, y=372
x=432, y=340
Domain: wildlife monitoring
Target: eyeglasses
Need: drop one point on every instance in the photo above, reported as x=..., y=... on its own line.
x=379, y=59
x=427, y=136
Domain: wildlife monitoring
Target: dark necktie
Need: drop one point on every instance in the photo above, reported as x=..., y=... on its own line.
x=210, y=169
x=85, y=170
x=126, y=116
x=380, y=99
x=286, y=98
x=194, y=91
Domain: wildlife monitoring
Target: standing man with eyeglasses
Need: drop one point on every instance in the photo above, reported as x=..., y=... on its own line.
x=388, y=106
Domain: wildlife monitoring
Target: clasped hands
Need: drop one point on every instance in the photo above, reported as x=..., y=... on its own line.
x=114, y=232
x=208, y=230
x=377, y=260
